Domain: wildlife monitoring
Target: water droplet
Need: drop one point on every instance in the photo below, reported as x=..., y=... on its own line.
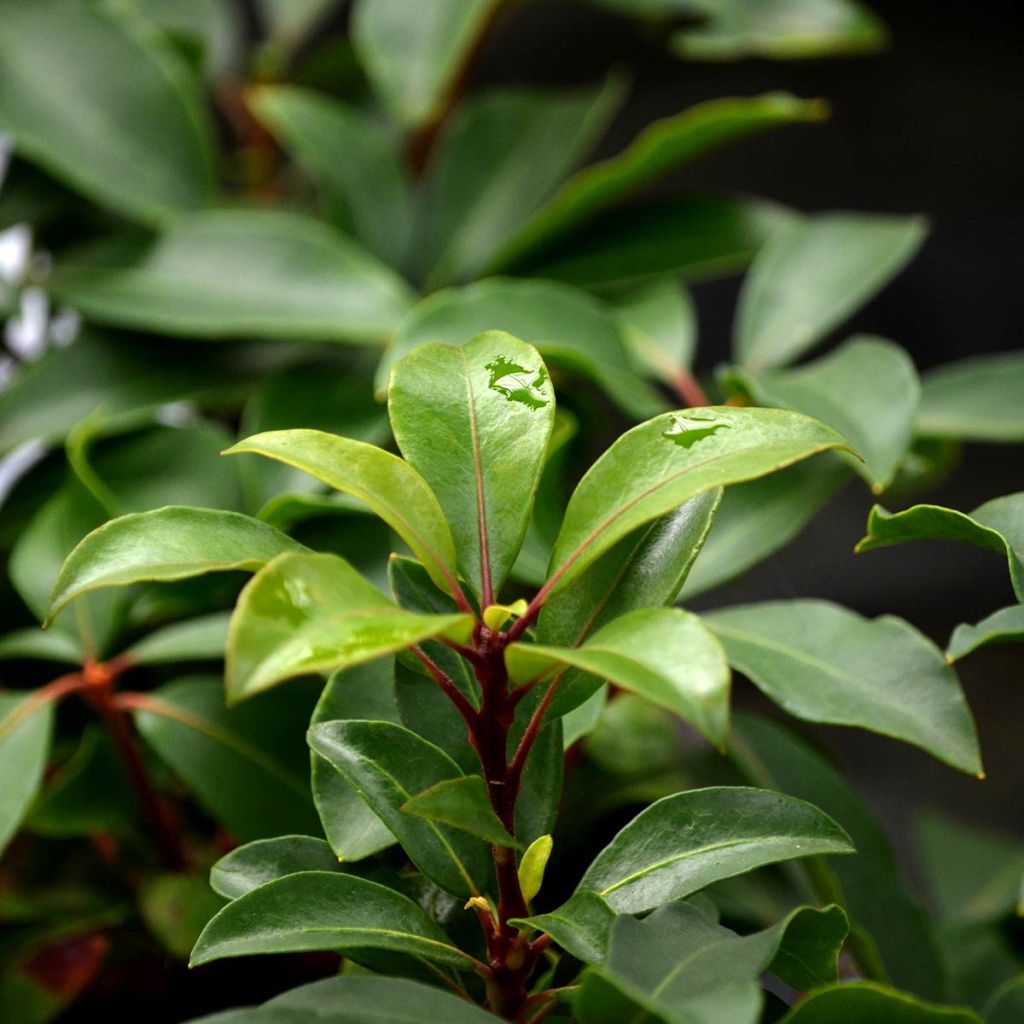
x=517, y=384
x=687, y=430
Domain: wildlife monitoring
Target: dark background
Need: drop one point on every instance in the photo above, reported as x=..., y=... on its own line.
x=933, y=125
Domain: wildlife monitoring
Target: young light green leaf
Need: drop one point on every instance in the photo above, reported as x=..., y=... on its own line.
x=279, y=275
x=572, y=330
x=661, y=147
x=315, y=910
x=866, y=1002
x=495, y=402
x=581, y=926
x=1005, y=626
x=998, y=525
x=664, y=462
x=413, y=55
x=266, y=860
x=497, y=160
x=867, y=390
x=388, y=765
x=758, y=518
x=313, y=613
x=462, y=803
x=26, y=723
x=247, y=766
x=170, y=543
x=135, y=137
x=682, y=843
x=355, y=160
x=824, y=663
x=810, y=278
x=975, y=399
x=391, y=488
x=532, y=865
x=199, y=639
x=663, y=654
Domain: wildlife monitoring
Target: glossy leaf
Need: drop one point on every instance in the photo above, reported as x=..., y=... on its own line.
x=389, y=486
x=266, y=860
x=663, y=654
x=464, y=804
x=864, y=1002
x=388, y=765
x=581, y=926
x=246, y=765
x=998, y=526
x=497, y=160
x=824, y=663
x=974, y=399
x=572, y=330
x=810, y=278
x=413, y=55
x=1005, y=626
x=365, y=692
x=494, y=402
x=167, y=544
x=661, y=147
x=355, y=161
x=274, y=275
x=683, y=843
x=135, y=137
x=316, y=910
x=25, y=727
x=664, y=462
x=313, y=613
x=867, y=390
x=200, y=639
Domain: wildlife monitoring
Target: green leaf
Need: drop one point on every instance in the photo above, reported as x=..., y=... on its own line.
x=315, y=910
x=175, y=908
x=365, y=692
x=662, y=463
x=665, y=655
x=1007, y=1004
x=758, y=518
x=414, y=55
x=278, y=275
x=389, y=486
x=824, y=663
x=266, y=860
x=532, y=865
x=661, y=147
x=692, y=236
x=975, y=399
x=464, y=804
x=135, y=137
x=166, y=544
x=572, y=330
x=210, y=26
x=581, y=926
x=388, y=765
x=998, y=526
x=682, y=843
x=26, y=723
x=289, y=21
x=1005, y=626
x=867, y=390
x=864, y=1002
x=502, y=154
x=354, y=159
x=809, y=279
x=247, y=765
x=494, y=403
x=200, y=639
x=41, y=644
x=313, y=613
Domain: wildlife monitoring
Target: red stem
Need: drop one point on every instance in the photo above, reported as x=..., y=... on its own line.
x=689, y=390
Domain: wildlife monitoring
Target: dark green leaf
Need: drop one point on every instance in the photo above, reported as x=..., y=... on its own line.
x=176, y=908
x=685, y=842
x=265, y=860
x=494, y=404
x=41, y=644
x=209, y=24
x=1005, y=626
x=247, y=273
x=314, y=613
x=104, y=106
x=247, y=765
x=388, y=765
x=462, y=803
x=26, y=722
x=201, y=639
x=316, y=910
x=864, y=1002
x=1007, y=1004
x=810, y=278
x=581, y=926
